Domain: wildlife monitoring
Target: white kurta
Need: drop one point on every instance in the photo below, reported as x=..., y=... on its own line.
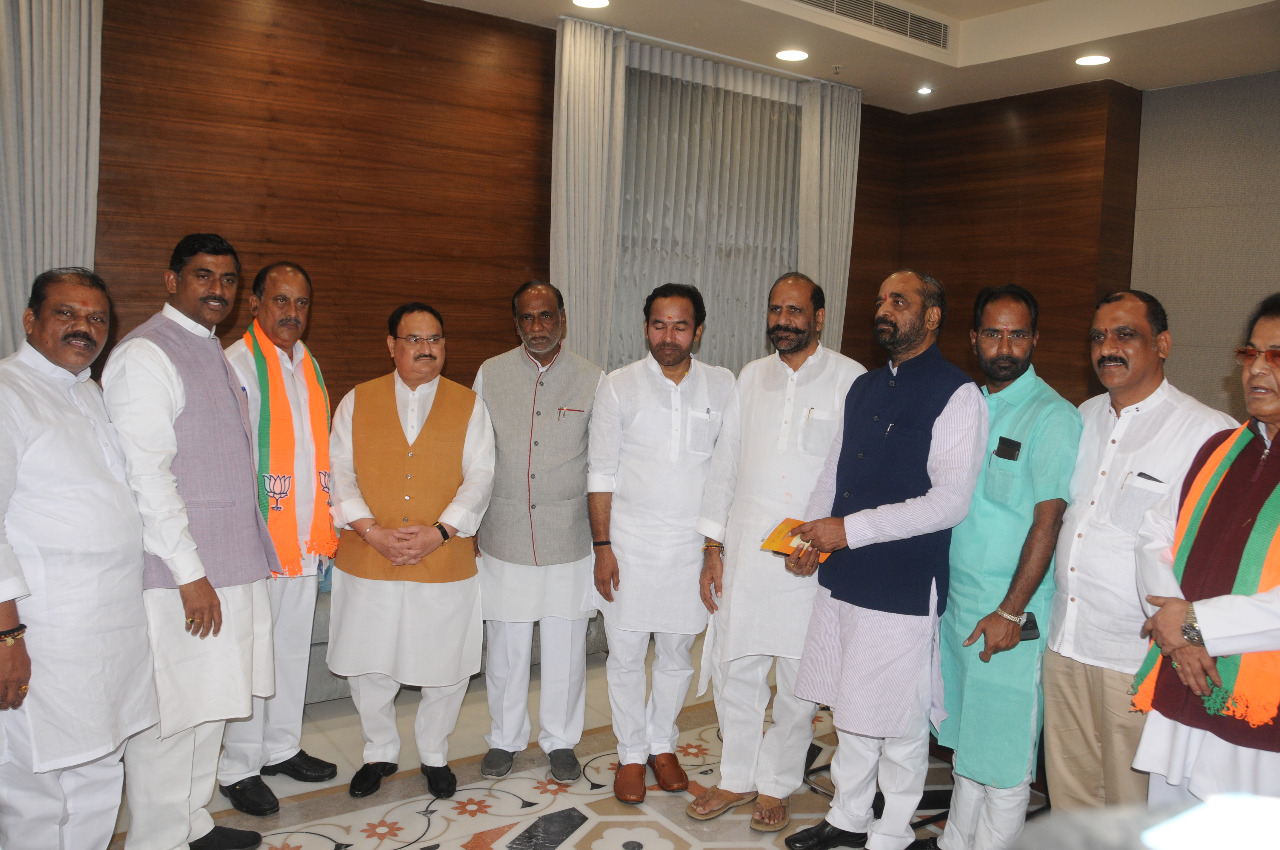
x=778, y=428
x=304, y=447
x=1230, y=625
x=425, y=634
x=145, y=396
x=651, y=445
x=71, y=555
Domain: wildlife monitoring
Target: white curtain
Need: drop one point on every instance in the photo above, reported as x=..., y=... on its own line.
x=50, y=84
x=586, y=169
x=828, y=178
x=710, y=178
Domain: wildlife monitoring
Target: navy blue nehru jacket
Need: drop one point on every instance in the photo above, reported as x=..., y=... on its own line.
x=888, y=429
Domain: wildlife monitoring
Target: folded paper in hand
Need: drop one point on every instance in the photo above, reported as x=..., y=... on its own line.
x=782, y=541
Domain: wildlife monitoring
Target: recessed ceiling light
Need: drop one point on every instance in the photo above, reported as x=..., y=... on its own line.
x=1093, y=60
x=792, y=55
x=591, y=4
x=924, y=90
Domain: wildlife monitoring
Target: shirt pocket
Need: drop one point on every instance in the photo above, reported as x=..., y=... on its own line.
x=817, y=431
x=1136, y=496
x=704, y=427
x=1003, y=481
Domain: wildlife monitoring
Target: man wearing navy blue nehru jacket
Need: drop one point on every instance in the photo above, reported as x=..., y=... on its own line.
x=899, y=477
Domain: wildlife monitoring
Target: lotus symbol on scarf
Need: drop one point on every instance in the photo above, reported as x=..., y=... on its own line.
x=324, y=485
x=278, y=488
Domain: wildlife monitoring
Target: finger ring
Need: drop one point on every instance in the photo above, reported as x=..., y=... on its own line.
x=24, y=689
x=1175, y=664
x=190, y=620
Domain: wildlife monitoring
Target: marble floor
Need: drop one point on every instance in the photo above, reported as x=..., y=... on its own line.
x=526, y=810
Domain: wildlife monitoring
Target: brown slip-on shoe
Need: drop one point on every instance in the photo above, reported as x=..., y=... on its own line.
x=628, y=783
x=671, y=776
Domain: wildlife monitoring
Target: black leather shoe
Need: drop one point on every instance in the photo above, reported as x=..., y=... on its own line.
x=226, y=838
x=930, y=843
x=251, y=796
x=440, y=780
x=824, y=836
x=303, y=768
x=369, y=777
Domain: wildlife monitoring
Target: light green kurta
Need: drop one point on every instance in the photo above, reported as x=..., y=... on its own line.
x=994, y=711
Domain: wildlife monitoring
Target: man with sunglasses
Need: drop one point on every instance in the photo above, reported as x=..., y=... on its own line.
x=1211, y=584
x=1139, y=438
x=412, y=467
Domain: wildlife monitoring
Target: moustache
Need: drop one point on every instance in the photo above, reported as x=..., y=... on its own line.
x=1112, y=361
x=80, y=335
x=214, y=300
x=784, y=329
x=290, y=323
x=427, y=356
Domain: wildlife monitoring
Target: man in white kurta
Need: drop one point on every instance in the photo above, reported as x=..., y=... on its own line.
x=652, y=434
x=287, y=403
x=78, y=682
x=404, y=628
x=535, y=541
x=183, y=426
x=778, y=427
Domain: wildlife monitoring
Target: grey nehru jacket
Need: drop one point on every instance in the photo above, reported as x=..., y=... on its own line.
x=538, y=513
x=214, y=465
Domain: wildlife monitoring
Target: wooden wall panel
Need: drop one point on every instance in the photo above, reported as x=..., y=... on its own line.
x=1037, y=190
x=398, y=150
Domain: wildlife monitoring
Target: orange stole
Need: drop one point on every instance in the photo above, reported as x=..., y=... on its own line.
x=408, y=485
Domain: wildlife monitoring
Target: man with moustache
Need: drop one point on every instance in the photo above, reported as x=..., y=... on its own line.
x=1210, y=582
x=184, y=429
x=535, y=540
x=289, y=418
x=1000, y=555
x=413, y=457
x=899, y=477
x=652, y=433
x=778, y=427
x=1139, y=438
x=75, y=666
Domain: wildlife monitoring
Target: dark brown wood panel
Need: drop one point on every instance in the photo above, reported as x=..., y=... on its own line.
x=398, y=150
x=1037, y=190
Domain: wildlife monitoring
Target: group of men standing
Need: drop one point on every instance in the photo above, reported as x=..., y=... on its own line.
x=162, y=539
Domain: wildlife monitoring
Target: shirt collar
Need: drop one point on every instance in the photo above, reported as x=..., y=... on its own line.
x=819, y=354
x=654, y=366
x=1017, y=392
x=534, y=361
x=28, y=354
x=191, y=325
x=1160, y=394
x=401, y=385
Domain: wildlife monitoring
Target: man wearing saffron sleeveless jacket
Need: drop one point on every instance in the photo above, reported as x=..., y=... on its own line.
x=897, y=480
x=1209, y=573
x=412, y=458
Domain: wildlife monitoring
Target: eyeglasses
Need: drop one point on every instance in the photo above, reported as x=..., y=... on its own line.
x=415, y=340
x=1247, y=356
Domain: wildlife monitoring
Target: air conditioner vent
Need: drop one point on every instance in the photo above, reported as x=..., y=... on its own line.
x=886, y=17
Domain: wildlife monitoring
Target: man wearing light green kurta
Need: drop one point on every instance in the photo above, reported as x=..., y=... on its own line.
x=992, y=685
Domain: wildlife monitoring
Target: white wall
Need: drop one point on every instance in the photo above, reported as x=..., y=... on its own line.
x=1207, y=230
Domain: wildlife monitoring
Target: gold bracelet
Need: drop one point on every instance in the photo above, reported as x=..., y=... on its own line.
x=708, y=546
x=1011, y=618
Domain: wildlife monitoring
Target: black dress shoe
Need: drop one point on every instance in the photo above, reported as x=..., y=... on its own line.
x=251, y=796
x=930, y=843
x=303, y=768
x=824, y=836
x=440, y=780
x=369, y=777
x=226, y=838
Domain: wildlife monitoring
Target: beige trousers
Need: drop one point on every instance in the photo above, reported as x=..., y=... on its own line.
x=1090, y=736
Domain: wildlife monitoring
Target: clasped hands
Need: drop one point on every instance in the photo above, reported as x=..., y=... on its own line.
x=405, y=545
x=1193, y=664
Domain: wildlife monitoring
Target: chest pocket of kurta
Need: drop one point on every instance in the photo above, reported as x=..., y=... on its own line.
x=817, y=431
x=1002, y=479
x=704, y=427
x=1136, y=496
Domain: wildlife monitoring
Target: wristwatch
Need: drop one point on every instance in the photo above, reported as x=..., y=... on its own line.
x=1191, y=629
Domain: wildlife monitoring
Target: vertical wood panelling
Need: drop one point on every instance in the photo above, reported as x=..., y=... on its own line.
x=398, y=150
x=1036, y=190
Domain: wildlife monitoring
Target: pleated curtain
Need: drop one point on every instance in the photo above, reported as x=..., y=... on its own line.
x=50, y=85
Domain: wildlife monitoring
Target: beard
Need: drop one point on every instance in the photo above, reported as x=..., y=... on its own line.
x=669, y=355
x=789, y=339
x=1003, y=368
x=895, y=339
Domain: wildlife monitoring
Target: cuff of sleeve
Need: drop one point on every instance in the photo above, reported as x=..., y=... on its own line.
x=709, y=528
x=12, y=589
x=598, y=482
x=352, y=510
x=854, y=534
x=462, y=519
x=186, y=567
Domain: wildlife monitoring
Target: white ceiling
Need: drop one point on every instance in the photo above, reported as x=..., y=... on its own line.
x=996, y=47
